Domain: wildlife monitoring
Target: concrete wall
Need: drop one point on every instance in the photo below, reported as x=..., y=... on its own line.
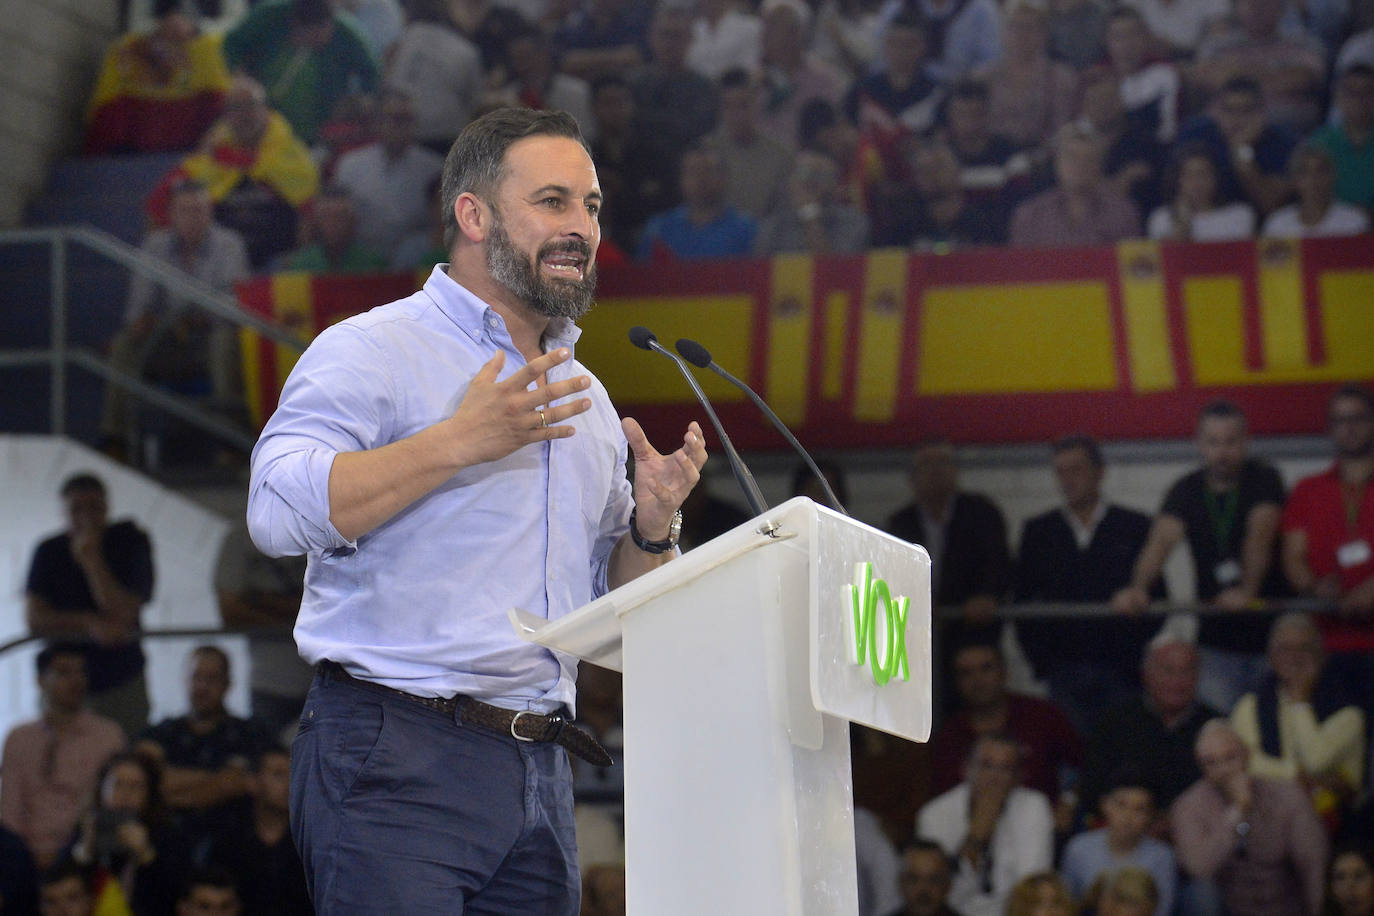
x=49, y=53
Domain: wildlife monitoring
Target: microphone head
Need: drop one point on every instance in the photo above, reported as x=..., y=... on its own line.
x=694, y=353
x=641, y=337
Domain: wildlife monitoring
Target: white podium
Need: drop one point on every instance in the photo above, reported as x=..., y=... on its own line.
x=741, y=673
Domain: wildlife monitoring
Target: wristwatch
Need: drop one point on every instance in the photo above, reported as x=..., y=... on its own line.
x=674, y=530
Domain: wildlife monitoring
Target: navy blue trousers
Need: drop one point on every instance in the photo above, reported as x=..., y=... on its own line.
x=396, y=808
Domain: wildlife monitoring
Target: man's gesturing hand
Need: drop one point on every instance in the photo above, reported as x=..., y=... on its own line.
x=662, y=482
x=498, y=417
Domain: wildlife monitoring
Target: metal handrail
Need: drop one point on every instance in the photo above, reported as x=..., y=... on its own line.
x=60, y=355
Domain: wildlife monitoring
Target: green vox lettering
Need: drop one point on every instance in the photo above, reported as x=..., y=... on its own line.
x=883, y=645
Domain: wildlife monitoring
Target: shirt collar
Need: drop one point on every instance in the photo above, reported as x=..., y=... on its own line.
x=477, y=318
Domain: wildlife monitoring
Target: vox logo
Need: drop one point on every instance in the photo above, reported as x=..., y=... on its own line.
x=880, y=642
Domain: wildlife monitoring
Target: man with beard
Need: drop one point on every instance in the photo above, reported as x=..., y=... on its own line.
x=440, y=460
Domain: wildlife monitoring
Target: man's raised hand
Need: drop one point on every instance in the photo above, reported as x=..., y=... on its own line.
x=498, y=417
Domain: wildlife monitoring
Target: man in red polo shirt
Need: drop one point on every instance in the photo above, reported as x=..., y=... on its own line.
x=1328, y=525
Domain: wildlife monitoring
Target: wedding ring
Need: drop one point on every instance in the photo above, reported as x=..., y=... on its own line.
x=543, y=419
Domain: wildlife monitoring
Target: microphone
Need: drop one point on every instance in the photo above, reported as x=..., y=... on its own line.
x=700, y=357
x=643, y=338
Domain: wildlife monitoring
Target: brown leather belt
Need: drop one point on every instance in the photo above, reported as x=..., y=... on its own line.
x=521, y=724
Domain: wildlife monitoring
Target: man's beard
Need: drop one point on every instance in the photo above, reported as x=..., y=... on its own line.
x=553, y=298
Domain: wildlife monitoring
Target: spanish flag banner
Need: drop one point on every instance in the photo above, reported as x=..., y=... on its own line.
x=1014, y=345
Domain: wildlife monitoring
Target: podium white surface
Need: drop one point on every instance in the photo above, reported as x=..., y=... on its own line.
x=740, y=679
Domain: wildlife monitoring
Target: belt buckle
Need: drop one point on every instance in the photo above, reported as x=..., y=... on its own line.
x=516, y=718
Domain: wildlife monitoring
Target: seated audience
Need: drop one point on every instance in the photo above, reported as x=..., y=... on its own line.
x=204, y=755
x=1031, y=96
x=673, y=103
x=1350, y=141
x=1154, y=731
x=757, y=165
x=211, y=892
x=816, y=219
x=1041, y=894
x=900, y=96
x=336, y=248
x=439, y=69
x=636, y=170
x=991, y=167
x=129, y=839
x=389, y=179
x=1083, y=208
x=704, y=225
x=1195, y=212
x=996, y=830
x=167, y=340
x=254, y=844
x=1150, y=88
x=1350, y=882
x=536, y=82
x=1126, y=891
x=309, y=55
x=822, y=129
x=847, y=35
x=1228, y=511
x=157, y=91
x=256, y=170
x=603, y=36
x=1326, y=555
x=791, y=75
x=51, y=765
x=1135, y=159
x=934, y=211
x=925, y=880
x=1317, y=212
x=1254, y=842
x=1252, y=152
x=1050, y=750
x=724, y=37
x=964, y=35
x=1128, y=813
x=1303, y=723
x=1291, y=69
x=1082, y=551
x=90, y=582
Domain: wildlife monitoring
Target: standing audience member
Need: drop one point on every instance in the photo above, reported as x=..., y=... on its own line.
x=439, y=69
x=1303, y=724
x=1252, y=153
x=204, y=755
x=1228, y=511
x=256, y=170
x=704, y=225
x=997, y=831
x=1050, y=750
x=128, y=837
x=1128, y=813
x=157, y=91
x=1154, y=731
x=1252, y=843
x=757, y=165
x=1350, y=141
x=673, y=103
x=307, y=54
x=51, y=765
x=1317, y=212
x=1350, y=882
x=164, y=337
x=925, y=880
x=91, y=582
x=1081, y=551
x=255, y=845
x=389, y=180
x=1031, y=96
x=1083, y=208
x=1040, y=894
x=816, y=219
x=1195, y=212
x=335, y=247
x=1328, y=524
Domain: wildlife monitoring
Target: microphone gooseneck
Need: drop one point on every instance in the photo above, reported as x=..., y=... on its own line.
x=700, y=357
x=643, y=338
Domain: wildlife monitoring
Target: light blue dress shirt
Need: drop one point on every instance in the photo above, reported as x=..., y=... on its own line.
x=420, y=602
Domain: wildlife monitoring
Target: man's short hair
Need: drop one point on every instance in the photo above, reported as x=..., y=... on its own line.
x=49, y=653
x=1352, y=391
x=214, y=876
x=977, y=642
x=1130, y=776
x=736, y=78
x=921, y=844
x=64, y=868
x=1079, y=441
x=801, y=475
x=477, y=160
x=1222, y=410
x=816, y=115
x=311, y=12
x=215, y=651
x=82, y=483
